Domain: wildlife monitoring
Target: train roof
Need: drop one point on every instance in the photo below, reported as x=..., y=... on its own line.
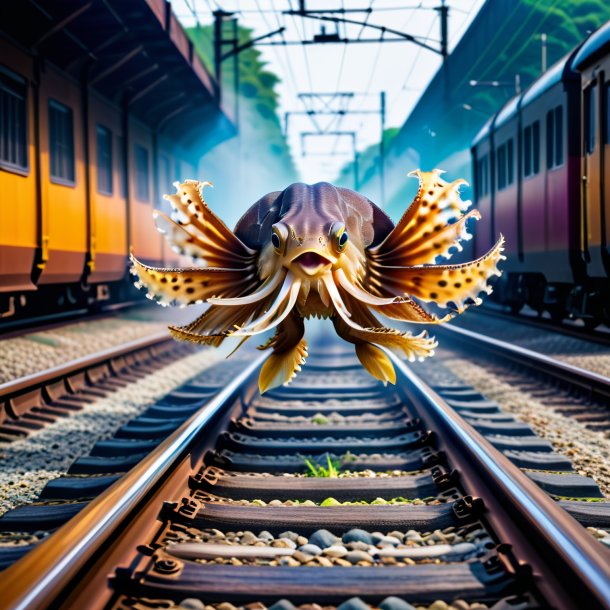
x=484, y=131
x=508, y=111
x=549, y=79
x=596, y=45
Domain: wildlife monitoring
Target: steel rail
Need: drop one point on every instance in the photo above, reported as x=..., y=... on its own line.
x=564, y=328
x=10, y=389
x=594, y=383
x=570, y=567
x=43, y=574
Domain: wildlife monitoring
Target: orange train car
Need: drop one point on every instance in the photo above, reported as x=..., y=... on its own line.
x=88, y=144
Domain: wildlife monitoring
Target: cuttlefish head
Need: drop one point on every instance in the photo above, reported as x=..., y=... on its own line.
x=314, y=235
x=312, y=251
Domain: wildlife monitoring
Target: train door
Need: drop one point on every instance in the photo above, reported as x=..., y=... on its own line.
x=592, y=217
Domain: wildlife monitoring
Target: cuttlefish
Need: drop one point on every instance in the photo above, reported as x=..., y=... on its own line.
x=324, y=251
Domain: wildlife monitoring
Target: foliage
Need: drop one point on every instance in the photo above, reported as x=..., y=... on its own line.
x=440, y=127
x=331, y=470
x=259, y=124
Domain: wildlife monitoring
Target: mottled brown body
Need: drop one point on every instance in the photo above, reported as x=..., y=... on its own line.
x=320, y=250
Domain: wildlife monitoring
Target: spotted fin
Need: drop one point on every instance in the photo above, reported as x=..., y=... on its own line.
x=179, y=239
x=444, y=284
x=432, y=226
x=281, y=367
x=192, y=285
x=376, y=363
x=219, y=245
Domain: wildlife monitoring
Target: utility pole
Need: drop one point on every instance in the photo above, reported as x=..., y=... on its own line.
x=543, y=52
x=443, y=11
x=382, y=148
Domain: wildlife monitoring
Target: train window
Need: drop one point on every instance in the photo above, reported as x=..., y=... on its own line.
x=505, y=164
x=13, y=122
x=550, y=139
x=527, y=151
x=531, y=149
x=120, y=161
x=536, y=147
x=589, y=108
x=61, y=143
x=554, y=137
x=558, y=136
x=142, y=173
x=501, y=166
x=104, y=160
x=483, y=176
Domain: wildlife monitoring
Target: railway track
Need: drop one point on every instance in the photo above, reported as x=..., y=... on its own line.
x=578, y=392
x=32, y=402
x=219, y=515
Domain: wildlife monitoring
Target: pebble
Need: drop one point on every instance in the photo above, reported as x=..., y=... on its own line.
x=355, y=603
x=359, y=546
x=191, y=603
x=395, y=603
x=356, y=556
x=289, y=561
x=388, y=540
x=310, y=549
x=283, y=604
x=323, y=539
x=284, y=543
x=302, y=557
x=460, y=604
x=438, y=605
x=289, y=535
x=248, y=538
x=335, y=551
x=358, y=535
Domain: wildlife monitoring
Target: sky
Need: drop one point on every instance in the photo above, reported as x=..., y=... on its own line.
x=401, y=69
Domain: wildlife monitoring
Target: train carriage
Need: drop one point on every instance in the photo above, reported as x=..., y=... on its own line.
x=88, y=147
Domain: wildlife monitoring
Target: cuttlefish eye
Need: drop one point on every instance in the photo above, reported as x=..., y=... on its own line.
x=279, y=235
x=339, y=235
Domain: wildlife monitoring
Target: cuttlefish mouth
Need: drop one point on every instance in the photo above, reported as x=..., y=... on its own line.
x=312, y=262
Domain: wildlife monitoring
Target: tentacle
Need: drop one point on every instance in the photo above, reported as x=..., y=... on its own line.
x=279, y=310
x=192, y=285
x=265, y=290
x=412, y=346
x=395, y=308
x=360, y=293
x=215, y=324
x=442, y=284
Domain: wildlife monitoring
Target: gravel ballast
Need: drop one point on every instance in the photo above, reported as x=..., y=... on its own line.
x=588, y=450
x=28, y=463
